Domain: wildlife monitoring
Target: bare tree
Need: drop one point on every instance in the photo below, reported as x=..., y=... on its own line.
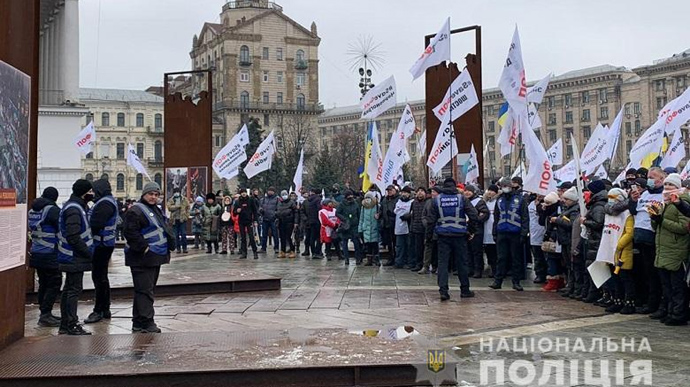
x=347, y=150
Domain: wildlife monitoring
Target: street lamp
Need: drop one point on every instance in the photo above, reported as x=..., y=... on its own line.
x=365, y=79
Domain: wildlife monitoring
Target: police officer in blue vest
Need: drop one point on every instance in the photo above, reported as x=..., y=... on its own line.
x=511, y=229
x=103, y=218
x=75, y=253
x=455, y=219
x=149, y=242
x=44, y=218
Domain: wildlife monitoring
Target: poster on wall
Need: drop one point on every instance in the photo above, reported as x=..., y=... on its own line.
x=197, y=183
x=175, y=178
x=15, y=107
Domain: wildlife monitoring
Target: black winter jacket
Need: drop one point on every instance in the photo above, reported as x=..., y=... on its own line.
x=135, y=221
x=247, y=210
x=287, y=212
x=46, y=261
x=550, y=229
x=594, y=222
x=387, y=211
x=417, y=212
x=101, y=214
x=482, y=214
x=73, y=222
x=312, y=206
x=564, y=224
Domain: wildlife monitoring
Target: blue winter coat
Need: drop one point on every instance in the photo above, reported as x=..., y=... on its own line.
x=368, y=224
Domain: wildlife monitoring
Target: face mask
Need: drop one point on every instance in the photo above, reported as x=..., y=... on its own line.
x=284, y=197
x=651, y=183
x=88, y=197
x=506, y=189
x=350, y=198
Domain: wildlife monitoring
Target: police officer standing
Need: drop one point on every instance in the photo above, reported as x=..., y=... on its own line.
x=455, y=218
x=511, y=227
x=148, y=247
x=44, y=217
x=75, y=253
x=103, y=220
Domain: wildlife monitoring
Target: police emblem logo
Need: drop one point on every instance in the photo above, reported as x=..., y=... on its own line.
x=436, y=360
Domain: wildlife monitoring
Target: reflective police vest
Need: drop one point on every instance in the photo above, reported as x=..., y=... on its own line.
x=65, y=251
x=43, y=236
x=451, y=210
x=106, y=237
x=153, y=233
x=509, y=220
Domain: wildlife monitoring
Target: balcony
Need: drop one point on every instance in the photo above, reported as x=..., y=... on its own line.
x=155, y=131
x=314, y=108
x=301, y=64
x=245, y=62
x=156, y=163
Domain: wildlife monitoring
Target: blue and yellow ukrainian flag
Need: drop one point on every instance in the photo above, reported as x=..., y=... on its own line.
x=503, y=114
x=366, y=183
x=654, y=159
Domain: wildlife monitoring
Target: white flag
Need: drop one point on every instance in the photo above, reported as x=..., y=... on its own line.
x=649, y=143
x=535, y=94
x=436, y=52
x=533, y=115
x=512, y=82
x=421, y=144
x=567, y=172
x=459, y=99
x=261, y=159
x=676, y=151
x=678, y=112
x=472, y=172
x=444, y=148
x=227, y=162
x=509, y=134
x=596, y=151
x=555, y=153
x=397, y=155
x=614, y=133
x=520, y=170
x=375, y=163
x=86, y=139
x=578, y=180
x=134, y=161
x=379, y=99
x=407, y=123
x=539, y=177
x=685, y=173
x=601, y=172
x=299, y=172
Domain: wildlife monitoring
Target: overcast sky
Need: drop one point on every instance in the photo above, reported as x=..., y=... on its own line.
x=133, y=42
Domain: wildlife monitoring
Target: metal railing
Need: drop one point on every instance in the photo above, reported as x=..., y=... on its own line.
x=154, y=131
x=301, y=64
x=155, y=162
x=239, y=105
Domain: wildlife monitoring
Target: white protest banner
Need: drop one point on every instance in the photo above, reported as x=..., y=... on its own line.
x=539, y=177
x=472, y=172
x=567, y=172
x=648, y=144
x=678, y=113
x=676, y=151
x=375, y=163
x=459, y=99
x=613, y=230
x=519, y=171
x=509, y=134
x=444, y=148
x=243, y=135
x=396, y=156
x=512, y=82
x=86, y=139
x=555, y=153
x=261, y=159
x=599, y=272
x=614, y=133
x=227, y=162
x=379, y=99
x=601, y=172
x=578, y=180
x=685, y=173
x=134, y=161
x=596, y=151
x=407, y=123
x=421, y=144
x=436, y=52
x=297, y=180
x=535, y=94
x=533, y=117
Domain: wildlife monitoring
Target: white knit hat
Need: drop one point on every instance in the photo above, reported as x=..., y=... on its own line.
x=673, y=179
x=551, y=198
x=570, y=194
x=618, y=194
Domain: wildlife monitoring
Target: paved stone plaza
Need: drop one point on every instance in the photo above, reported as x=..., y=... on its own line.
x=323, y=295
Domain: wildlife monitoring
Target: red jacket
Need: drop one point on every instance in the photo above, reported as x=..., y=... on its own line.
x=329, y=222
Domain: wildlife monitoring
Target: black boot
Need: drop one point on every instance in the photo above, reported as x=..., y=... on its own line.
x=616, y=307
x=48, y=320
x=628, y=308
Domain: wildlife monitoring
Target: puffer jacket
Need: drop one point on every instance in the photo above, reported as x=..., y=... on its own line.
x=387, y=209
x=672, y=238
x=135, y=221
x=564, y=224
x=624, y=248
x=550, y=229
x=287, y=212
x=83, y=256
x=368, y=224
x=46, y=261
x=269, y=208
x=348, y=213
x=179, y=209
x=417, y=212
x=594, y=222
x=483, y=214
x=312, y=206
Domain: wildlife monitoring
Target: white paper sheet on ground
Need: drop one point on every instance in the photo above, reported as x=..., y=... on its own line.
x=600, y=272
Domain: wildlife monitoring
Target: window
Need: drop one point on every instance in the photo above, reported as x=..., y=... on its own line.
x=551, y=102
x=568, y=133
x=492, y=155
x=267, y=121
x=120, y=150
x=244, y=76
x=585, y=115
x=279, y=77
x=89, y=155
x=660, y=102
x=158, y=121
x=506, y=170
x=89, y=118
x=604, y=112
x=585, y=96
x=105, y=119
x=587, y=131
x=265, y=76
x=490, y=140
x=680, y=82
x=140, y=120
x=300, y=101
x=140, y=150
x=660, y=84
x=158, y=178
x=568, y=152
x=279, y=98
x=266, y=97
x=638, y=127
x=636, y=108
x=300, y=79
x=602, y=95
x=244, y=55
x=105, y=150
x=568, y=99
x=279, y=53
x=217, y=138
x=552, y=118
x=244, y=100
x=626, y=109
x=120, y=182
x=568, y=117
x=158, y=151
x=490, y=110
x=492, y=126
x=628, y=129
x=120, y=119
x=264, y=53
x=140, y=182
x=299, y=55
x=552, y=135
x=89, y=177
x=628, y=145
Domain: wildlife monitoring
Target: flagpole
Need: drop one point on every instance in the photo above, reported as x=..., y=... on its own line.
x=453, y=160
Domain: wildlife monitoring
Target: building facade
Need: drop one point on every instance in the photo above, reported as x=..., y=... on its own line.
x=264, y=65
x=123, y=117
x=575, y=102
